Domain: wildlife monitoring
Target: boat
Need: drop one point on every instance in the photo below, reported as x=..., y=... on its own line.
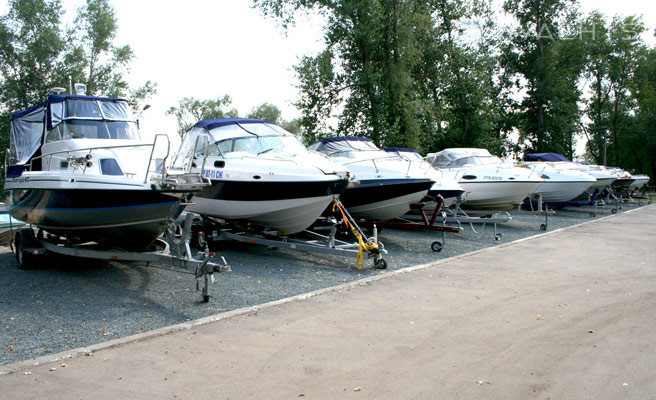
x=560, y=185
x=260, y=174
x=383, y=185
x=604, y=178
x=8, y=226
x=78, y=169
x=490, y=184
x=444, y=185
x=640, y=181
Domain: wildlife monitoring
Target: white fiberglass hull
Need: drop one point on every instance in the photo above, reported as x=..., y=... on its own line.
x=386, y=209
x=558, y=192
x=496, y=195
x=287, y=216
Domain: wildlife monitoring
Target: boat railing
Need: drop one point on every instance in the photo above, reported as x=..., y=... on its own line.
x=84, y=161
x=152, y=152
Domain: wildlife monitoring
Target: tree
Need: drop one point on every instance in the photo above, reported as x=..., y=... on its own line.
x=30, y=48
x=613, y=55
x=269, y=112
x=266, y=111
x=547, y=67
x=364, y=76
x=191, y=110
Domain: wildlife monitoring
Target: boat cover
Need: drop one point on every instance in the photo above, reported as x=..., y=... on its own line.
x=447, y=156
x=343, y=143
x=28, y=127
x=400, y=150
x=218, y=122
x=551, y=157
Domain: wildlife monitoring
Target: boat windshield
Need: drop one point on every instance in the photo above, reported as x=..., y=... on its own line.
x=93, y=129
x=91, y=119
x=281, y=145
x=254, y=139
x=476, y=160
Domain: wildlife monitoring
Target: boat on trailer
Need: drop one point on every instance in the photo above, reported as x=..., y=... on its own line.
x=79, y=170
x=384, y=185
x=261, y=175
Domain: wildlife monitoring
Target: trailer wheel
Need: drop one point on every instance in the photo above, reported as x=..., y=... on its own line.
x=380, y=264
x=24, y=239
x=436, y=246
x=543, y=227
x=498, y=236
x=613, y=211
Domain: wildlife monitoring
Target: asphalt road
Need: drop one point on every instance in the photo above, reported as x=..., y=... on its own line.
x=72, y=303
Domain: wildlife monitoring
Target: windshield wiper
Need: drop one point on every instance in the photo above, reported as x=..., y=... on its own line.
x=265, y=151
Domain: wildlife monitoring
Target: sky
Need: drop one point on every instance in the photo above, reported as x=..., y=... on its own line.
x=209, y=48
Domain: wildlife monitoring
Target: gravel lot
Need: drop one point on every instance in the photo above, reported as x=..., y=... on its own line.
x=72, y=303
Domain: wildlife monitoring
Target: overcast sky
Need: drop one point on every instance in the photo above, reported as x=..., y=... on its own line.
x=208, y=48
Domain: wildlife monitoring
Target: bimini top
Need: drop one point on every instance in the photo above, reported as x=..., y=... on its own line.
x=400, y=150
x=545, y=157
x=29, y=127
x=342, y=144
x=218, y=122
x=448, y=157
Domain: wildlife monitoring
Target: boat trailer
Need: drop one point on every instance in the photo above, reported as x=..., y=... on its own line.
x=421, y=222
x=320, y=238
x=172, y=249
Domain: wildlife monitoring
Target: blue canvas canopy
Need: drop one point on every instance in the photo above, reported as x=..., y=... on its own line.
x=400, y=150
x=218, y=122
x=29, y=127
x=545, y=157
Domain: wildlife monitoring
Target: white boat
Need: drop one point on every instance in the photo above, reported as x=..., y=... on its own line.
x=78, y=169
x=444, y=185
x=384, y=184
x=604, y=178
x=260, y=174
x=640, y=181
x=489, y=183
x=559, y=185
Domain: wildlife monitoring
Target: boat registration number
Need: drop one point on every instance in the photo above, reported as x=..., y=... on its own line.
x=213, y=174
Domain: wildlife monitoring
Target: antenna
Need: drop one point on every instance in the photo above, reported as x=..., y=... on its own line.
x=57, y=90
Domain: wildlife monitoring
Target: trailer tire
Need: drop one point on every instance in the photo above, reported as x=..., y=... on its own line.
x=436, y=246
x=380, y=264
x=25, y=239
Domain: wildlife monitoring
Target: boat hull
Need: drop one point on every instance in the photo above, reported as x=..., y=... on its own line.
x=384, y=199
x=126, y=219
x=496, y=195
x=558, y=192
x=289, y=207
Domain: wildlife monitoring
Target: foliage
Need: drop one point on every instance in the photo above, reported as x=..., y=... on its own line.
x=398, y=72
x=269, y=112
x=543, y=53
x=191, y=110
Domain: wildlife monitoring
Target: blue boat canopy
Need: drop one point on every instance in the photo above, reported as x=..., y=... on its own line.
x=29, y=127
x=219, y=122
x=545, y=157
x=400, y=150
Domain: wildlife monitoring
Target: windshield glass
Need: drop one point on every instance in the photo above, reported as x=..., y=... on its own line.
x=287, y=146
x=93, y=129
x=237, y=140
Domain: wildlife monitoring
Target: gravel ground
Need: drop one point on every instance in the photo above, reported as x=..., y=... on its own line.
x=72, y=303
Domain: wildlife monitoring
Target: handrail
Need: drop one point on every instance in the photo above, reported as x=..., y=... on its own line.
x=152, y=151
